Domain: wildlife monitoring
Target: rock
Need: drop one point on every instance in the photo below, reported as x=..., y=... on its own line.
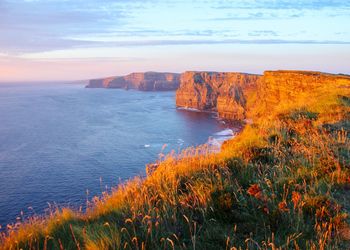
x=100, y=83
x=148, y=81
x=240, y=96
x=224, y=92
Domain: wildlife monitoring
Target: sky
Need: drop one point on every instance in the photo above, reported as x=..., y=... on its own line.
x=82, y=39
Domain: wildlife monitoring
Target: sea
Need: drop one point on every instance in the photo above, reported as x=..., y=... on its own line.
x=62, y=144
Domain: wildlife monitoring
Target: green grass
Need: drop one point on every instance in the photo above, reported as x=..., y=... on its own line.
x=344, y=100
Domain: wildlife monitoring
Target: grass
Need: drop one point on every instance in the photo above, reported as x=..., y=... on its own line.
x=282, y=183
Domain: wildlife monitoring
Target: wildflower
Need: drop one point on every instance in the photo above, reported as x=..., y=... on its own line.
x=296, y=197
x=255, y=190
x=282, y=206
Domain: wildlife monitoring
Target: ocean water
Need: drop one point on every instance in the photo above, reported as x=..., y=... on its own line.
x=61, y=144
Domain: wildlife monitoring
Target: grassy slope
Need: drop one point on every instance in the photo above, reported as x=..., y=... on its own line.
x=282, y=183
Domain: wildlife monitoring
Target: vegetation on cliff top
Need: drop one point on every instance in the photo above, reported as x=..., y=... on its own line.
x=283, y=183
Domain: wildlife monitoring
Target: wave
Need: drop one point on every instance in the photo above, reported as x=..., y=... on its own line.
x=225, y=132
x=199, y=111
x=215, y=142
x=189, y=109
x=180, y=142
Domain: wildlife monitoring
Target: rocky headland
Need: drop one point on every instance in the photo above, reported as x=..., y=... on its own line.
x=147, y=81
x=238, y=96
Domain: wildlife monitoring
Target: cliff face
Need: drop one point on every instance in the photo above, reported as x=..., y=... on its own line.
x=224, y=92
x=148, y=81
x=237, y=96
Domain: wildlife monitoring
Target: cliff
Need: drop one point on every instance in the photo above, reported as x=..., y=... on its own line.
x=281, y=90
x=148, y=81
x=237, y=96
x=224, y=92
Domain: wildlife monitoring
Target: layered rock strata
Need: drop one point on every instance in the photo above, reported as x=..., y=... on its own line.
x=225, y=92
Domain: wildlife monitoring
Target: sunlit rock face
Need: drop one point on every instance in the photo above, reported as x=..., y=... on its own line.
x=148, y=81
x=279, y=90
x=224, y=92
x=237, y=96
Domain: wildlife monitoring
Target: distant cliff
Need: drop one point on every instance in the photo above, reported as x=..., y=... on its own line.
x=237, y=96
x=148, y=81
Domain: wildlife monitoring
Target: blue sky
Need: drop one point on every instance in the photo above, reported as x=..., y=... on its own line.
x=80, y=39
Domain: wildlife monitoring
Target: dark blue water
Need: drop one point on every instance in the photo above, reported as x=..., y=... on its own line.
x=57, y=141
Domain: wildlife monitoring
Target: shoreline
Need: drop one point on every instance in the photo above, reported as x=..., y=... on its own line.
x=217, y=139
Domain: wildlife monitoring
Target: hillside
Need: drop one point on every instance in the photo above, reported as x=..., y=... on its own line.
x=282, y=183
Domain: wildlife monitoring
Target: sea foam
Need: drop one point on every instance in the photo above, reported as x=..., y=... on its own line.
x=215, y=142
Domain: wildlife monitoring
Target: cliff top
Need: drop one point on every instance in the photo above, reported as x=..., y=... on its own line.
x=307, y=73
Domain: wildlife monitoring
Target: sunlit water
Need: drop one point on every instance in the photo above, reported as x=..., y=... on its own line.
x=58, y=140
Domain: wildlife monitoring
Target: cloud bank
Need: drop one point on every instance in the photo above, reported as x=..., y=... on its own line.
x=45, y=25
